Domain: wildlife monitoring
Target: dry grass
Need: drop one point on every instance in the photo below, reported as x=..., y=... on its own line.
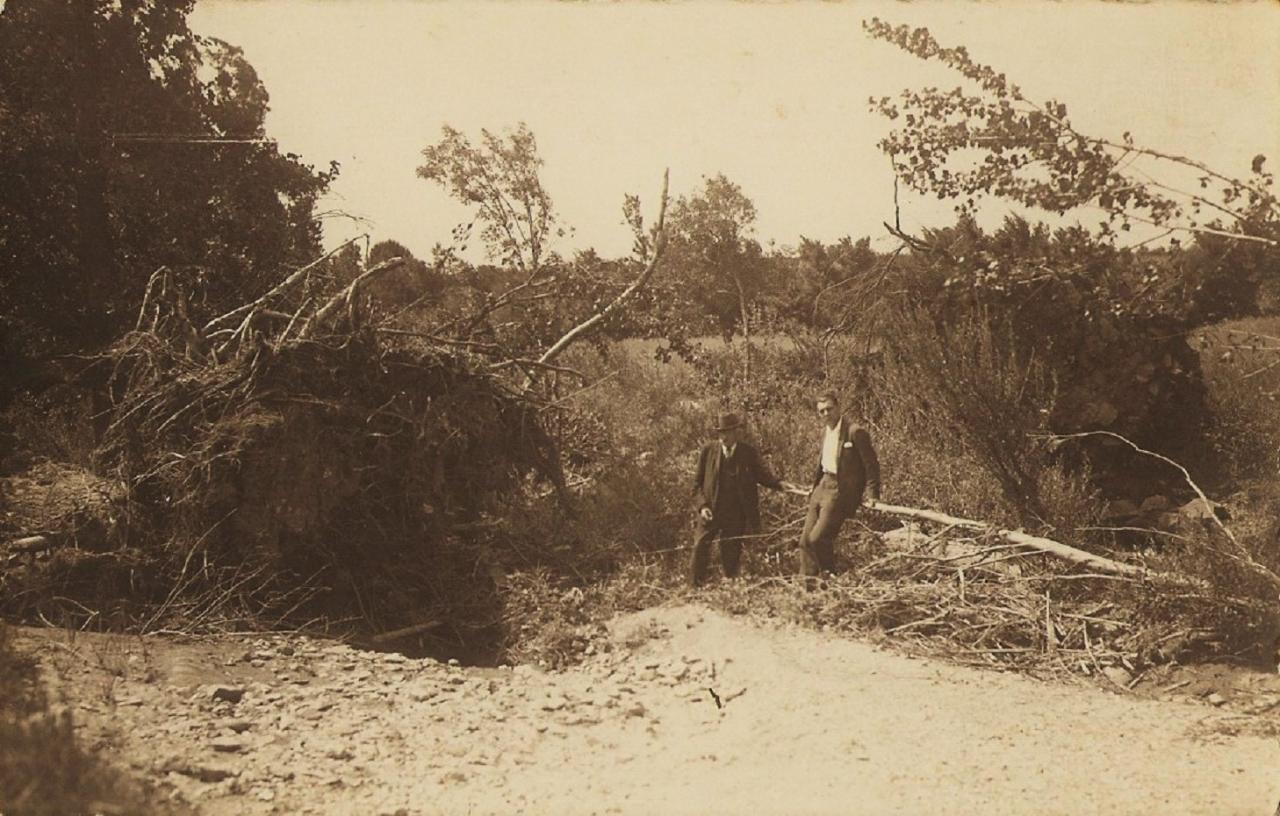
x=43, y=769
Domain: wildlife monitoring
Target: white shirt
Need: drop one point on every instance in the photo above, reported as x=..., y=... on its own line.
x=728, y=452
x=831, y=449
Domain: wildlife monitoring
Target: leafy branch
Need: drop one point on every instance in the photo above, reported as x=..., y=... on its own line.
x=1031, y=153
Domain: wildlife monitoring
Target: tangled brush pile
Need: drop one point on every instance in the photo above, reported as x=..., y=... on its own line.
x=298, y=464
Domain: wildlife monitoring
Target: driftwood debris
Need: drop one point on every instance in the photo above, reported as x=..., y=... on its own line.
x=20, y=548
x=29, y=544
x=1029, y=542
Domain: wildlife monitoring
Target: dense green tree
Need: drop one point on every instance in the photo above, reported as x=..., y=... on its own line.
x=715, y=255
x=827, y=278
x=987, y=138
x=128, y=142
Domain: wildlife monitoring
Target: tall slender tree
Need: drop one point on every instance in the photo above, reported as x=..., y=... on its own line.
x=713, y=249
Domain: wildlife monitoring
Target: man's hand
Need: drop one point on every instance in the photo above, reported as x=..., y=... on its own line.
x=705, y=513
x=792, y=487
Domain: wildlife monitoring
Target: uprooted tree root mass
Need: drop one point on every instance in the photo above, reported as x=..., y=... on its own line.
x=323, y=476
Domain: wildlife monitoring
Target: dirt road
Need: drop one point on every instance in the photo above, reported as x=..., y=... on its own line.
x=689, y=711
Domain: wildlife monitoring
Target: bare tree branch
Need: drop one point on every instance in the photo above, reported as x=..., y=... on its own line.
x=1020, y=539
x=280, y=287
x=1241, y=555
x=347, y=296
x=587, y=325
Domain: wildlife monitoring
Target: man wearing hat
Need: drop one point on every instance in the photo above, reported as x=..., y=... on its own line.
x=728, y=502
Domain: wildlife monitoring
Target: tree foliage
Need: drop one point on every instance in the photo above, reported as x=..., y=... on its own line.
x=531, y=304
x=992, y=139
x=128, y=142
x=825, y=279
x=1110, y=321
x=499, y=177
x=714, y=251
x=1104, y=323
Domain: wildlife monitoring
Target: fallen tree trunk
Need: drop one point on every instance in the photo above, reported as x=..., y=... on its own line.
x=1030, y=542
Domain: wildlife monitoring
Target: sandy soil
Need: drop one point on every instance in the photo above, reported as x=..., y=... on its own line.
x=689, y=711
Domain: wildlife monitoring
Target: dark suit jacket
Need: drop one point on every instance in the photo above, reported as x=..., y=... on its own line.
x=708, y=480
x=858, y=469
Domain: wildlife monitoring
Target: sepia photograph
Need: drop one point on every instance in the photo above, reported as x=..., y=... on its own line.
x=639, y=407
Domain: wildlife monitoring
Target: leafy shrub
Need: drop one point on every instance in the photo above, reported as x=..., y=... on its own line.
x=967, y=400
x=1243, y=378
x=55, y=425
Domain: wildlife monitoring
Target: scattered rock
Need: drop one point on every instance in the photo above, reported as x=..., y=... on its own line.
x=1118, y=675
x=903, y=538
x=1155, y=504
x=227, y=745
x=1263, y=705
x=238, y=726
x=227, y=694
x=1121, y=509
x=674, y=671
x=1214, y=698
x=202, y=772
x=1196, y=511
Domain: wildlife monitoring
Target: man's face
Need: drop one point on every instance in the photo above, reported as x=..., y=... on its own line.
x=828, y=412
x=729, y=437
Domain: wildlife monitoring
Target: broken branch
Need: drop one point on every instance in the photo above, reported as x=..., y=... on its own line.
x=652, y=265
x=1029, y=542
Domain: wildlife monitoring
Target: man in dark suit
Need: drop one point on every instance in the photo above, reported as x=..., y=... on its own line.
x=847, y=467
x=727, y=499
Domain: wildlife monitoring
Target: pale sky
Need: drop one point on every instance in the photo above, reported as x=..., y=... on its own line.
x=774, y=95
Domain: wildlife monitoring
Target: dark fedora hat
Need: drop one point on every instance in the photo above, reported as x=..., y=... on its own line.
x=728, y=422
